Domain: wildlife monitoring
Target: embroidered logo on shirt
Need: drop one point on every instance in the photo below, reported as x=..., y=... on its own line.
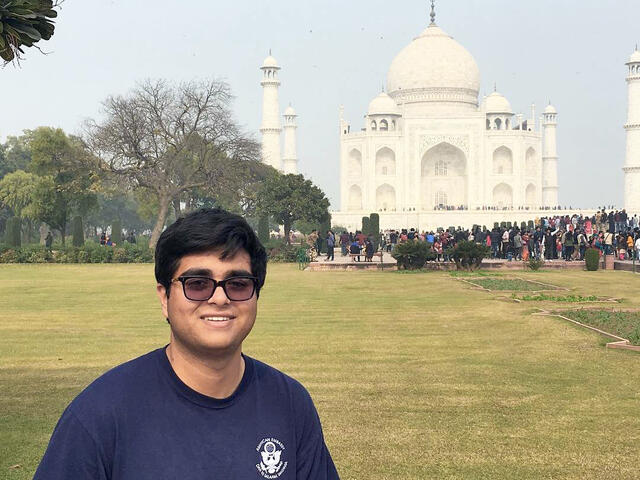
x=271, y=461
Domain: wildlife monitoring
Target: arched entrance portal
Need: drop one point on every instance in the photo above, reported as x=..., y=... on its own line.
x=444, y=170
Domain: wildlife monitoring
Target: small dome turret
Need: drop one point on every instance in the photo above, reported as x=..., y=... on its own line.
x=270, y=62
x=497, y=103
x=635, y=57
x=383, y=104
x=550, y=109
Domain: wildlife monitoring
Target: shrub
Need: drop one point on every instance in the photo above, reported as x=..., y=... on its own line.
x=84, y=256
x=592, y=259
x=468, y=255
x=535, y=264
x=284, y=253
x=78, y=233
x=412, y=255
x=88, y=253
x=9, y=256
x=366, y=225
x=374, y=229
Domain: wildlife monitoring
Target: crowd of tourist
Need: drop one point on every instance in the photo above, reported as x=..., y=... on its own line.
x=550, y=238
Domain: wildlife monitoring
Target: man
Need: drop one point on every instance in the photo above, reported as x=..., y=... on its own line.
x=344, y=243
x=48, y=241
x=331, y=242
x=198, y=408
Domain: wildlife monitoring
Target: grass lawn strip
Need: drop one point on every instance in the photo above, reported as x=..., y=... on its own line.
x=414, y=377
x=510, y=284
x=624, y=324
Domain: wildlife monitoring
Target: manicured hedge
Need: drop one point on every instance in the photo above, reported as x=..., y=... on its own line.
x=88, y=253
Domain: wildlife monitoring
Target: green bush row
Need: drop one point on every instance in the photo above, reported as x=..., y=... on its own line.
x=88, y=253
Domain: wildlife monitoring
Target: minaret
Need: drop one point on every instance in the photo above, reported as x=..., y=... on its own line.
x=270, y=127
x=550, y=158
x=632, y=162
x=290, y=159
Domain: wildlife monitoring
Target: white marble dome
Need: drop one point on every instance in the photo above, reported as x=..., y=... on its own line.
x=383, y=104
x=434, y=61
x=290, y=112
x=550, y=109
x=635, y=57
x=496, y=103
x=270, y=62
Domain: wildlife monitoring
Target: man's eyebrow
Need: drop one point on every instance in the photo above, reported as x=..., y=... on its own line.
x=205, y=272
x=238, y=273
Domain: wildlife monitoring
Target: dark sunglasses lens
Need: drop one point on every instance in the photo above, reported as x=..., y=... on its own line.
x=239, y=289
x=198, y=288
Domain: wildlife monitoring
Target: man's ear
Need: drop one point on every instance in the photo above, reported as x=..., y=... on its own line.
x=163, y=297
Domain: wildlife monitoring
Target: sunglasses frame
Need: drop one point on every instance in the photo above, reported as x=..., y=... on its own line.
x=216, y=283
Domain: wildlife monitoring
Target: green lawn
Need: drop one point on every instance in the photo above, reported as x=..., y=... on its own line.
x=415, y=376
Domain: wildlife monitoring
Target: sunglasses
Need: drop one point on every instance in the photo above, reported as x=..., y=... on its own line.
x=201, y=289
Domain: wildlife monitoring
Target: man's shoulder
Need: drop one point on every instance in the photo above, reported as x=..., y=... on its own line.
x=117, y=385
x=271, y=378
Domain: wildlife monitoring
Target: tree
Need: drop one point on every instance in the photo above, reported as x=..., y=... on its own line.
x=169, y=140
x=14, y=155
x=288, y=198
x=23, y=23
x=17, y=190
x=67, y=178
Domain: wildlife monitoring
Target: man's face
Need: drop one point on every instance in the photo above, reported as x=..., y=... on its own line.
x=217, y=325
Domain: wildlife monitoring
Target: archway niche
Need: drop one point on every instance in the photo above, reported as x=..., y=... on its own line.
x=498, y=124
x=503, y=161
x=384, y=126
x=503, y=196
x=374, y=125
x=385, y=161
x=530, y=195
x=355, y=198
x=385, y=198
x=531, y=163
x=444, y=169
x=355, y=163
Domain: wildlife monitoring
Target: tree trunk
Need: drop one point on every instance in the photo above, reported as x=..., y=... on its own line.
x=287, y=229
x=164, y=203
x=176, y=207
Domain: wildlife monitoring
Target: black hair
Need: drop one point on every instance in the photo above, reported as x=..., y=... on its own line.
x=205, y=230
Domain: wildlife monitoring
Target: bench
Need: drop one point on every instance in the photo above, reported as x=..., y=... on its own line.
x=375, y=254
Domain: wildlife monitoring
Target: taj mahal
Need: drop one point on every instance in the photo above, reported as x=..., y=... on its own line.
x=431, y=154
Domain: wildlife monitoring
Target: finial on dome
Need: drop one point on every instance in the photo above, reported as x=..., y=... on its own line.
x=495, y=86
x=269, y=51
x=433, y=12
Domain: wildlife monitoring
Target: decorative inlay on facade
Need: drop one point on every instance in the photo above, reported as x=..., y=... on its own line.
x=462, y=95
x=460, y=141
x=631, y=126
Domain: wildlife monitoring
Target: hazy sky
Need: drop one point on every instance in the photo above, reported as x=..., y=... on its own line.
x=335, y=52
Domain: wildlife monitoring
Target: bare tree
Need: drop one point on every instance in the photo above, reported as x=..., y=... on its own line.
x=170, y=139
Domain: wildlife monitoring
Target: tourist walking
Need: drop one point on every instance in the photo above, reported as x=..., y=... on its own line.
x=331, y=242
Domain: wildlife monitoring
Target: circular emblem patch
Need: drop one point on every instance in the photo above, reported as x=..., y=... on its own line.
x=272, y=463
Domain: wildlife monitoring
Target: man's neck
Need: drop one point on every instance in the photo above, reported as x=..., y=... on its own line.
x=216, y=377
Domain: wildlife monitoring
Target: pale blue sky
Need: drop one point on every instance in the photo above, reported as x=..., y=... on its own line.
x=333, y=52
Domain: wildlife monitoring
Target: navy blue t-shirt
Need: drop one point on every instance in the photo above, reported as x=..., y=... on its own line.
x=139, y=421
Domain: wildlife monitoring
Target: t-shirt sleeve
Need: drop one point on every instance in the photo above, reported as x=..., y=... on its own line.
x=313, y=458
x=72, y=453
